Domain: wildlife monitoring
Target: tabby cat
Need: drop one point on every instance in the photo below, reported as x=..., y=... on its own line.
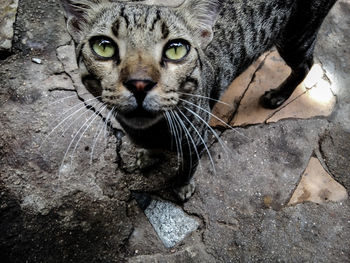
x=161, y=65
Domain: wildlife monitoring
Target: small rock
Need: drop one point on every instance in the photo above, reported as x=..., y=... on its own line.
x=168, y=220
x=37, y=60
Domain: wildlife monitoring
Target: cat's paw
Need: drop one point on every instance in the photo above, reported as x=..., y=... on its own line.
x=272, y=99
x=184, y=192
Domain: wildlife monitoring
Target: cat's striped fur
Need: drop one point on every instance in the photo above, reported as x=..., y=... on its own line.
x=225, y=37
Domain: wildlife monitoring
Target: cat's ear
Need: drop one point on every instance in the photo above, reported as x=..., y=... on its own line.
x=76, y=12
x=202, y=15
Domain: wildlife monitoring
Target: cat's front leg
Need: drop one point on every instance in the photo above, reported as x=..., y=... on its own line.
x=184, y=185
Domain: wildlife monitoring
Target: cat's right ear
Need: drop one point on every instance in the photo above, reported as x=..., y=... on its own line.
x=76, y=12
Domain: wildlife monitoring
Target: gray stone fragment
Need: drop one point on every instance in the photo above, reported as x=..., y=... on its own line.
x=170, y=222
x=37, y=60
x=335, y=148
x=8, y=10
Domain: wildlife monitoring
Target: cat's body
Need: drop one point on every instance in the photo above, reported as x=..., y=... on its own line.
x=156, y=66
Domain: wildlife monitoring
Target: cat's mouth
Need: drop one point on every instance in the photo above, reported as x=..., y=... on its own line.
x=139, y=119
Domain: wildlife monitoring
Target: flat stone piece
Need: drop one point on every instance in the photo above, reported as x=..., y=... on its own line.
x=318, y=99
x=8, y=10
x=317, y=186
x=313, y=97
x=170, y=222
x=271, y=74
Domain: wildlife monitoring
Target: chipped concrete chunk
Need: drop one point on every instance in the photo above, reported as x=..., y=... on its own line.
x=169, y=221
x=8, y=10
x=317, y=186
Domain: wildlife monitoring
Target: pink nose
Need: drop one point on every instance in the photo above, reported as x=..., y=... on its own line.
x=136, y=85
x=139, y=88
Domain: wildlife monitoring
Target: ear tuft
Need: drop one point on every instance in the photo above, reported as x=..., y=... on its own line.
x=202, y=15
x=77, y=15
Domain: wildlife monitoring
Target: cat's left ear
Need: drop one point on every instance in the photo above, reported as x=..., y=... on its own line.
x=77, y=15
x=201, y=16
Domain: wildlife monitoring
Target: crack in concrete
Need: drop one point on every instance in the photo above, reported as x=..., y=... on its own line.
x=61, y=89
x=320, y=151
x=283, y=106
x=248, y=86
x=223, y=130
x=326, y=78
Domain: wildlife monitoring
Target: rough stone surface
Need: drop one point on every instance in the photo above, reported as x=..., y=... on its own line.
x=8, y=11
x=336, y=153
x=68, y=196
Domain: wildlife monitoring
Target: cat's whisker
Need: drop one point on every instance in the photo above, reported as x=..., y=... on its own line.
x=224, y=147
x=169, y=128
x=77, y=118
x=109, y=115
x=189, y=138
x=95, y=138
x=80, y=103
x=205, y=97
x=172, y=131
x=72, y=141
x=179, y=135
x=61, y=122
x=87, y=127
x=201, y=138
x=65, y=98
x=216, y=117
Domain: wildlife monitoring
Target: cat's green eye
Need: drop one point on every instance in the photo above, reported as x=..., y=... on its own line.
x=103, y=48
x=176, y=50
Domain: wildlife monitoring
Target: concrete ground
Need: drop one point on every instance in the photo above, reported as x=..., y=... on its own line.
x=279, y=194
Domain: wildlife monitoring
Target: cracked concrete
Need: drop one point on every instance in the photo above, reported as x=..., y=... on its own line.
x=82, y=209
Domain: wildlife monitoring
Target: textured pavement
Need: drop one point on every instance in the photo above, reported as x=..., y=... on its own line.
x=280, y=191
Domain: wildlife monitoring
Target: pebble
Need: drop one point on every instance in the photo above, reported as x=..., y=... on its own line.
x=37, y=60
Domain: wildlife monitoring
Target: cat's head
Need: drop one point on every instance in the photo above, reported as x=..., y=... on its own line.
x=139, y=57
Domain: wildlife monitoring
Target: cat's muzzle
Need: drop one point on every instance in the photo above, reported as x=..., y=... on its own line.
x=139, y=118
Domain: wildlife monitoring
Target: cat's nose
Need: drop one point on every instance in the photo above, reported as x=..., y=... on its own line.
x=139, y=88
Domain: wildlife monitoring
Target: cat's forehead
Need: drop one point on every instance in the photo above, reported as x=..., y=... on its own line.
x=170, y=3
x=139, y=22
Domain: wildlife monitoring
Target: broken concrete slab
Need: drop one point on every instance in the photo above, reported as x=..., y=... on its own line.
x=317, y=99
x=169, y=221
x=317, y=186
x=314, y=97
x=249, y=195
x=8, y=11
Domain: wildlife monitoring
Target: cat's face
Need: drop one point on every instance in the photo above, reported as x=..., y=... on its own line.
x=140, y=59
